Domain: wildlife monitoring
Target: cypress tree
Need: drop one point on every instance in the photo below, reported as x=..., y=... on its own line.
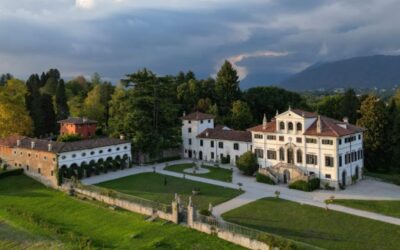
x=227, y=87
x=61, y=101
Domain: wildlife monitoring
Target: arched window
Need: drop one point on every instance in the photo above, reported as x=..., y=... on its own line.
x=290, y=126
x=282, y=125
x=299, y=127
x=299, y=156
x=281, y=154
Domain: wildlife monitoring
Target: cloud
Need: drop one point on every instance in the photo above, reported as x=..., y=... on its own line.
x=85, y=4
x=242, y=70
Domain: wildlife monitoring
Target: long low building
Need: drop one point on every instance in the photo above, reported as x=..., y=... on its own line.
x=293, y=145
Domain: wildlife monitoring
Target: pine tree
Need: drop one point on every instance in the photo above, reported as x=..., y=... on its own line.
x=61, y=101
x=49, y=115
x=227, y=87
x=33, y=104
x=350, y=106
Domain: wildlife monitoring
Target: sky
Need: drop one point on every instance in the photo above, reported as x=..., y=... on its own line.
x=266, y=40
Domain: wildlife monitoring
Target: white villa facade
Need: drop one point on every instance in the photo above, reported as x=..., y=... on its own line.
x=293, y=145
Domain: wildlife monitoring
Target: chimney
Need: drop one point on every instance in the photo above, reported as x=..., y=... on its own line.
x=319, y=125
x=122, y=137
x=277, y=113
x=290, y=108
x=49, y=147
x=32, y=144
x=346, y=119
x=18, y=142
x=184, y=114
x=85, y=119
x=265, y=122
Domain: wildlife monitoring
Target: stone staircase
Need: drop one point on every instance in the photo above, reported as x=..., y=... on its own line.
x=276, y=172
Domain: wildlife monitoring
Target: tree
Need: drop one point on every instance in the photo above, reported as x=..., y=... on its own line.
x=241, y=115
x=227, y=87
x=33, y=104
x=375, y=119
x=49, y=115
x=350, y=106
x=61, y=101
x=4, y=78
x=331, y=106
x=14, y=118
x=93, y=107
x=247, y=163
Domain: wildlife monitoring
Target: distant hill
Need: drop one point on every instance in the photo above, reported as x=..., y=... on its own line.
x=359, y=72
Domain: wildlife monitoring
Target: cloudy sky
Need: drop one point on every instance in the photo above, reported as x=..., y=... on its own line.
x=266, y=40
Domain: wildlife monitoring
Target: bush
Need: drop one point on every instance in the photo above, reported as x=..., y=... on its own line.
x=225, y=160
x=305, y=186
x=69, y=138
x=205, y=212
x=12, y=172
x=247, y=163
x=264, y=179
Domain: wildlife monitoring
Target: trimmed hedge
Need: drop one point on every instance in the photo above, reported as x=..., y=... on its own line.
x=11, y=172
x=264, y=179
x=305, y=186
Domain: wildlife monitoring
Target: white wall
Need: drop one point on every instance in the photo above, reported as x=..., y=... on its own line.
x=196, y=128
x=228, y=149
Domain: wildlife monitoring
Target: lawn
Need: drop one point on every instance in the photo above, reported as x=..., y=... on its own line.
x=32, y=213
x=220, y=174
x=389, y=208
x=315, y=226
x=393, y=178
x=161, y=188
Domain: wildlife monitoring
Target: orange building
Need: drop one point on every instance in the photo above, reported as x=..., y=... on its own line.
x=78, y=126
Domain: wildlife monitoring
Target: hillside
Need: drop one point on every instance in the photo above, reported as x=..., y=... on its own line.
x=359, y=72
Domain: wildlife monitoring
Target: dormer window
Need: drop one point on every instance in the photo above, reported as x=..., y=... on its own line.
x=299, y=127
x=290, y=126
x=282, y=126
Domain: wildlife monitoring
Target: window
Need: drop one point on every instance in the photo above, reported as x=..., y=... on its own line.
x=311, y=140
x=201, y=143
x=189, y=130
x=327, y=176
x=258, y=136
x=281, y=125
x=52, y=173
x=350, y=139
x=74, y=155
x=118, y=149
x=189, y=121
x=340, y=160
x=125, y=147
x=340, y=141
x=290, y=126
x=299, y=127
x=281, y=154
x=209, y=121
x=259, y=153
x=311, y=159
x=327, y=142
x=220, y=144
x=212, y=155
x=299, y=155
x=201, y=121
x=29, y=155
x=54, y=159
x=83, y=154
x=299, y=140
x=45, y=158
x=100, y=151
x=281, y=138
x=190, y=141
x=236, y=146
x=359, y=137
x=38, y=170
x=109, y=150
x=212, y=144
x=328, y=161
x=63, y=157
x=271, y=154
x=27, y=167
x=92, y=153
x=271, y=137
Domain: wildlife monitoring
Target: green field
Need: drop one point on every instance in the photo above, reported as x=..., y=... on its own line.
x=215, y=173
x=316, y=226
x=35, y=217
x=389, y=208
x=393, y=178
x=151, y=186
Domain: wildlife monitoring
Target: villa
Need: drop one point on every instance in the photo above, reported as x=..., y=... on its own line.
x=294, y=145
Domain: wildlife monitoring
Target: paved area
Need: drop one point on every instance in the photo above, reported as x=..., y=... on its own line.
x=366, y=189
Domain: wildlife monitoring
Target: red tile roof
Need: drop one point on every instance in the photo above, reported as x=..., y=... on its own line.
x=270, y=128
x=10, y=141
x=197, y=116
x=306, y=114
x=331, y=127
x=225, y=134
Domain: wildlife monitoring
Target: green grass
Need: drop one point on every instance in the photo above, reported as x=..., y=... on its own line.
x=393, y=178
x=315, y=226
x=215, y=173
x=40, y=215
x=151, y=186
x=389, y=208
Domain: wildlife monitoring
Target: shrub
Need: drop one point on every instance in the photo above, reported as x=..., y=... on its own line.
x=247, y=163
x=205, y=212
x=69, y=138
x=264, y=179
x=305, y=186
x=12, y=172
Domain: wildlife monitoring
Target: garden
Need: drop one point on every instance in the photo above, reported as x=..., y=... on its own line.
x=35, y=217
x=214, y=172
x=162, y=188
x=316, y=226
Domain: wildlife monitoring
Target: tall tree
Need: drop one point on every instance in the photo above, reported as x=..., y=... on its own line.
x=227, y=87
x=331, y=106
x=61, y=101
x=375, y=119
x=4, y=78
x=241, y=115
x=14, y=118
x=49, y=115
x=350, y=105
x=33, y=104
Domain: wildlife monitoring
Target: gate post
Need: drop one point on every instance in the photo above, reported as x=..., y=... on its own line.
x=190, y=213
x=175, y=212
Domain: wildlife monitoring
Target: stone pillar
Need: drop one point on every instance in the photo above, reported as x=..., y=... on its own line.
x=190, y=214
x=175, y=212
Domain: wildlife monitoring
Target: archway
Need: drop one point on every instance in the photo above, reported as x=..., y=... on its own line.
x=344, y=178
x=290, y=156
x=190, y=153
x=286, y=176
x=357, y=173
x=200, y=155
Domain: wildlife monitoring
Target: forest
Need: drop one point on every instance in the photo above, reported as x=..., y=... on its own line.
x=145, y=107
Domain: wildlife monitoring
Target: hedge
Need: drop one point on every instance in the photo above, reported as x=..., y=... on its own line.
x=264, y=179
x=11, y=172
x=305, y=186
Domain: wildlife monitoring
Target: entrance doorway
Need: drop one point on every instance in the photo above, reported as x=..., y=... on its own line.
x=190, y=153
x=286, y=176
x=344, y=178
x=200, y=155
x=290, y=156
